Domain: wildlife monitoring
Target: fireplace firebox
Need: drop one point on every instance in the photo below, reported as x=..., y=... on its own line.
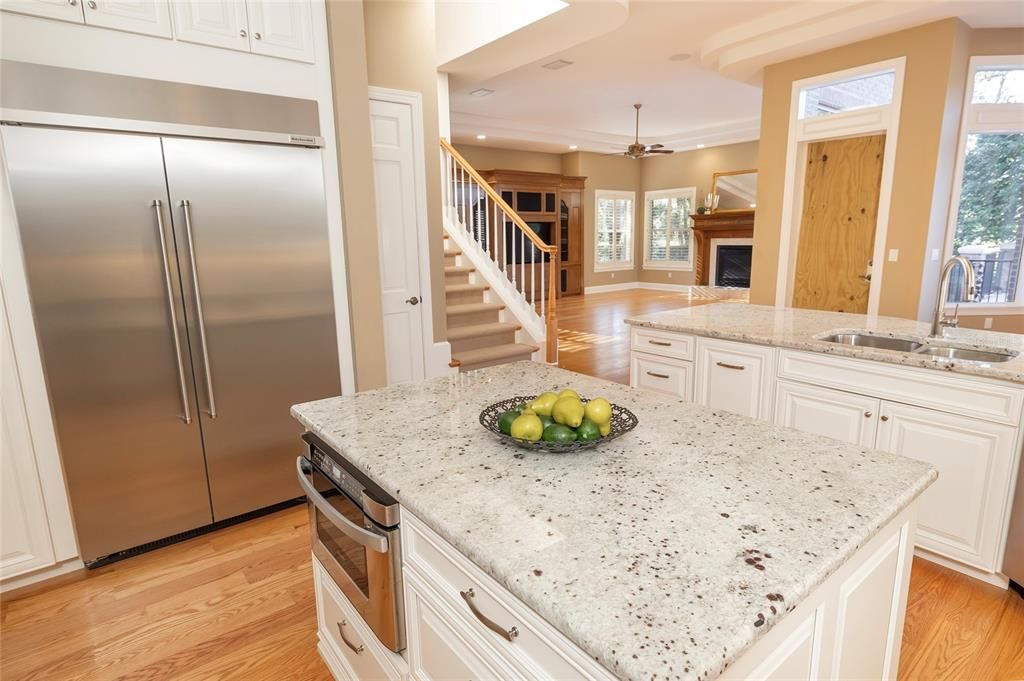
x=732, y=265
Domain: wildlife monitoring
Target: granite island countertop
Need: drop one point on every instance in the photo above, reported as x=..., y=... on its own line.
x=804, y=329
x=655, y=553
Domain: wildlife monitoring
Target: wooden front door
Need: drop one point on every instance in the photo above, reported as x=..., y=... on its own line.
x=837, y=225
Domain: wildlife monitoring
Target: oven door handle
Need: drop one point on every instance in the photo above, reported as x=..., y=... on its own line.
x=370, y=540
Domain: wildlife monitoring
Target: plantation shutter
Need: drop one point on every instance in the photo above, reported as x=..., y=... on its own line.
x=614, y=230
x=668, y=228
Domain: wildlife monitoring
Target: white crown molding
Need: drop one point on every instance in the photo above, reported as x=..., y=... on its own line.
x=741, y=52
x=469, y=125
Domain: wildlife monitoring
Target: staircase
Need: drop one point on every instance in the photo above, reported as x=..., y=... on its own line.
x=499, y=275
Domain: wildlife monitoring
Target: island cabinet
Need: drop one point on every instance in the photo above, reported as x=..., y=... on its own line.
x=966, y=427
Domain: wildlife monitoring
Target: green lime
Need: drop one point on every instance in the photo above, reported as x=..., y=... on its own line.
x=505, y=421
x=556, y=432
x=546, y=420
x=519, y=410
x=588, y=431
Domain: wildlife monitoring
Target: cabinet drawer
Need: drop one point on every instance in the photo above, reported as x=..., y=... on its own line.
x=440, y=648
x=736, y=377
x=536, y=649
x=663, y=343
x=340, y=627
x=660, y=374
x=984, y=399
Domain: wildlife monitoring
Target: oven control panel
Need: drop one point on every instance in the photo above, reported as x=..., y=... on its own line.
x=352, y=487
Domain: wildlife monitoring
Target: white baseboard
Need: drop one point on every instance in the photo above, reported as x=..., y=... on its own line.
x=650, y=285
x=993, y=578
x=41, y=574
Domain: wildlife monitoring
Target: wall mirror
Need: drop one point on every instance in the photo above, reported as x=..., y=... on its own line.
x=736, y=190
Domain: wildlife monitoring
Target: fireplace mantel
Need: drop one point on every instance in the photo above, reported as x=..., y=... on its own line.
x=728, y=225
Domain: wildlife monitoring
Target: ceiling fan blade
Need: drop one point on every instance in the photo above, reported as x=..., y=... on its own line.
x=617, y=153
x=660, y=151
x=655, y=146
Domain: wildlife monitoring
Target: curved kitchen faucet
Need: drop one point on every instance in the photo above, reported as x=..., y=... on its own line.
x=940, y=321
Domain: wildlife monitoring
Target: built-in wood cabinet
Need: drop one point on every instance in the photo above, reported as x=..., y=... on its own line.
x=273, y=29
x=552, y=205
x=967, y=428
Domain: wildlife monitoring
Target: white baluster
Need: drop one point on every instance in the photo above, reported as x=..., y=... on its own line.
x=543, y=266
x=522, y=261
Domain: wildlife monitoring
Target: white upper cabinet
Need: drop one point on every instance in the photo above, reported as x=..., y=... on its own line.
x=281, y=29
x=962, y=514
x=65, y=10
x=832, y=413
x=151, y=17
x=218, y=23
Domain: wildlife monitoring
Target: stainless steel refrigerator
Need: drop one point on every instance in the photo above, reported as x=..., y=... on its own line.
x=182, y=298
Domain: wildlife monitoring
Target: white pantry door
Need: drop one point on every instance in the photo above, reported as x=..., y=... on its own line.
x=394, y=174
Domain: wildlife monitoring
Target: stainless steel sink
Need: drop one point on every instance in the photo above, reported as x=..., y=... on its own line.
x=866, y=340
x=964, y=354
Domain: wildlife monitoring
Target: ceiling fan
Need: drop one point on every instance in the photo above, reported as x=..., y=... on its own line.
x=636, y=150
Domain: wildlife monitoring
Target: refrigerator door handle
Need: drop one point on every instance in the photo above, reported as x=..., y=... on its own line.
x=158, y=206
x=186, y=207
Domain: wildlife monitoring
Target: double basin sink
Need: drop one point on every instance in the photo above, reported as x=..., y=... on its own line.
x=939, y=348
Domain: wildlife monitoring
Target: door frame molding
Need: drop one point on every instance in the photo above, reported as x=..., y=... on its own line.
x=857, y=123
x=436, y=356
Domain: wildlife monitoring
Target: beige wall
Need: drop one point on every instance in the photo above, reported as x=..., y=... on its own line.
x=491, y=158
x=937, y=57
x=400, y=54
x=687, y=169
x=359, y=216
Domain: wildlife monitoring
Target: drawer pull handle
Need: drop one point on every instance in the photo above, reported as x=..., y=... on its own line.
x=885, y=418
x=734, y=367
x=651, y=373
x=867, y=414
x=662, y=343
x=507, y=634
x=341, y=630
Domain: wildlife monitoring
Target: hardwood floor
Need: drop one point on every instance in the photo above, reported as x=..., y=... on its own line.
x=239, y=604
x=593, y=339
x=234, y=604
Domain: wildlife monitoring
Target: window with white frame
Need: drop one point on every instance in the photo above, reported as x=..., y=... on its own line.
x=614, y=242
x=667, y=228
x=987, y=215
x=861, y=92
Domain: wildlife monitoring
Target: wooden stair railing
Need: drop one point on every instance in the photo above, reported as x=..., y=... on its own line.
x=530, y=264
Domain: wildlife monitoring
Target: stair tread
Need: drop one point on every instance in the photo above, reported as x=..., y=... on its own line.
x=493, y=353
x=477, y=330
x=452, y=252
x=469, y=308
x=465, y=288
x=459, y=269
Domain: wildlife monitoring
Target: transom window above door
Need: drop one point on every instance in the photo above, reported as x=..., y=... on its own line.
x=667, y=228
x=614, y=242
x=987, y=215
x=861, y=92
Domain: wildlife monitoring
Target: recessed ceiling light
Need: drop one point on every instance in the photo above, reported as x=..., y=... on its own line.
x=682, y=56
x=481, y=92
x=481, y=137
x=700, y=146
x=573, y=147
x=753, y=205
x=557, y=64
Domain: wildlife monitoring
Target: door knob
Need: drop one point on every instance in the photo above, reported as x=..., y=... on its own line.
x=92, y=4
x=413, y=301
x=242, y=33
x=73, y=3
x=257, y=35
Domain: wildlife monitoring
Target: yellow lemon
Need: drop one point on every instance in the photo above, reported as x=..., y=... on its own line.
x=599, y=411
x=568, y=411
x=527, y=427
x=605, y=428
x=542, y=403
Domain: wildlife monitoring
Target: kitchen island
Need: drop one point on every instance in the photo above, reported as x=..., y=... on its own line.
x=676, y=551
x=956, y=402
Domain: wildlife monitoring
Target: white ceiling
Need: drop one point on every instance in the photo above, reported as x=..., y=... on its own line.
x=685, y=103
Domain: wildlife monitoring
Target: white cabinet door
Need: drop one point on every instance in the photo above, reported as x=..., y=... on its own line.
x=220, y=23
x=962, y=513
x=832, y=413
x=151, y=17
x=25, y=542
x=281, y=29
x=736, y=377
x=65, y=10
